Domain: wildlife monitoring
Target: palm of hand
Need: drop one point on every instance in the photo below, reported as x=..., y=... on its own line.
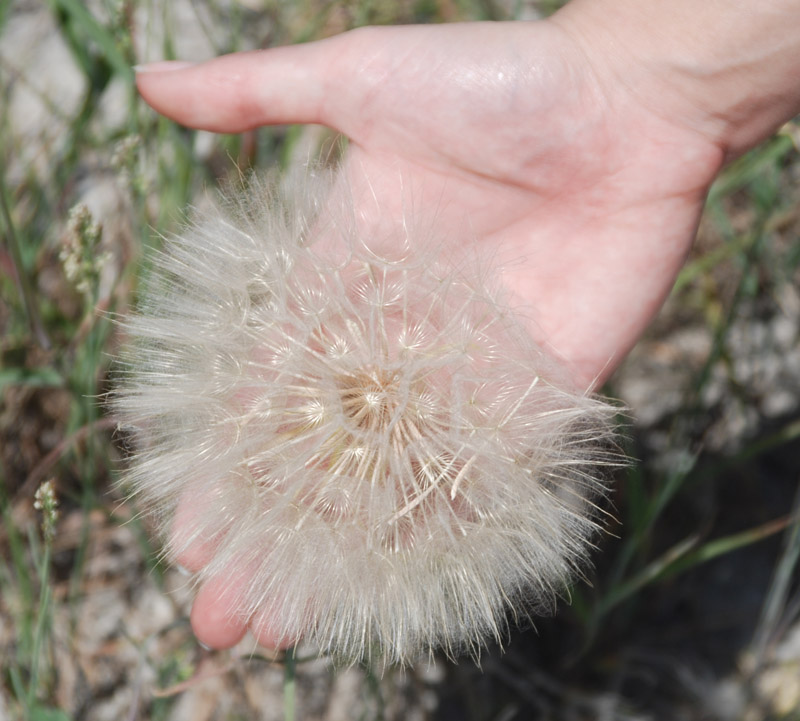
x=587, y=200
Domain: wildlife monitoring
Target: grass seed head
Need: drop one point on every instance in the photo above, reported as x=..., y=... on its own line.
x=80, y=253
x=359, y=423
x=45, y=500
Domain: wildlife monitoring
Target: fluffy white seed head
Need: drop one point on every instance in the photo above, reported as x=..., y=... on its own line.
x=359, y=425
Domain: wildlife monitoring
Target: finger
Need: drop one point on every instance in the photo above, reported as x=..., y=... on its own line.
x=214, y=619
x=268, y=633
x=241, y=91
x=190, y=544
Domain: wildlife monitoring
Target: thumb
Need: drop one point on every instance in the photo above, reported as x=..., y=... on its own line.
x=241, y=91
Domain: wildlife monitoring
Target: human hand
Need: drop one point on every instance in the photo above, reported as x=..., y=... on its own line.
x=587, y=199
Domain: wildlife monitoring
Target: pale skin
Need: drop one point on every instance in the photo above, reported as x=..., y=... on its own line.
x=580, y=150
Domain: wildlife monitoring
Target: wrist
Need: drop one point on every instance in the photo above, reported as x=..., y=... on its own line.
x=728, y=71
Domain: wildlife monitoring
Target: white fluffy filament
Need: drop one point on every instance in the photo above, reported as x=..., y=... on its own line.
x=362, y=426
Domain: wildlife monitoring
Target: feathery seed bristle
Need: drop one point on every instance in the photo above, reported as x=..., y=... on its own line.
x=364, y=428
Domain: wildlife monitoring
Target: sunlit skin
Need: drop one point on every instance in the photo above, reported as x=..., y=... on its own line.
x=585, y=180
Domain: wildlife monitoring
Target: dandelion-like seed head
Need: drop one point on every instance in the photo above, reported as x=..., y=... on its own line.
x=362, y=426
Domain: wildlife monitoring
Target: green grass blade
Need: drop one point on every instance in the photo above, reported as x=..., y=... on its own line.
x=98, y=34
x=22, y=279
x=751, y=167
x=778, y=592
x=686, y=555
x=35, y=377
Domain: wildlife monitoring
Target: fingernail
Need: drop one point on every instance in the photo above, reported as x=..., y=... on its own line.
x=204, y=646
x=163, y=66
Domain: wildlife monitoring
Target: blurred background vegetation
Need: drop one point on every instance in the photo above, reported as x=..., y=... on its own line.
x=693, y=611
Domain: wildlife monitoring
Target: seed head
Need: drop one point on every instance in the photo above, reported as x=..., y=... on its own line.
x=46, y=501
x=80, y=256
x=360, y=424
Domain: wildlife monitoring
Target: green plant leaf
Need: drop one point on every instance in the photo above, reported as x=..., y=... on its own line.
x=39, y=377
x=46, y=713
x=687, y=554
x=100, y=35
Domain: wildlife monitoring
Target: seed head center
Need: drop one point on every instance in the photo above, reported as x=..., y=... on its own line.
x=370, y=398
